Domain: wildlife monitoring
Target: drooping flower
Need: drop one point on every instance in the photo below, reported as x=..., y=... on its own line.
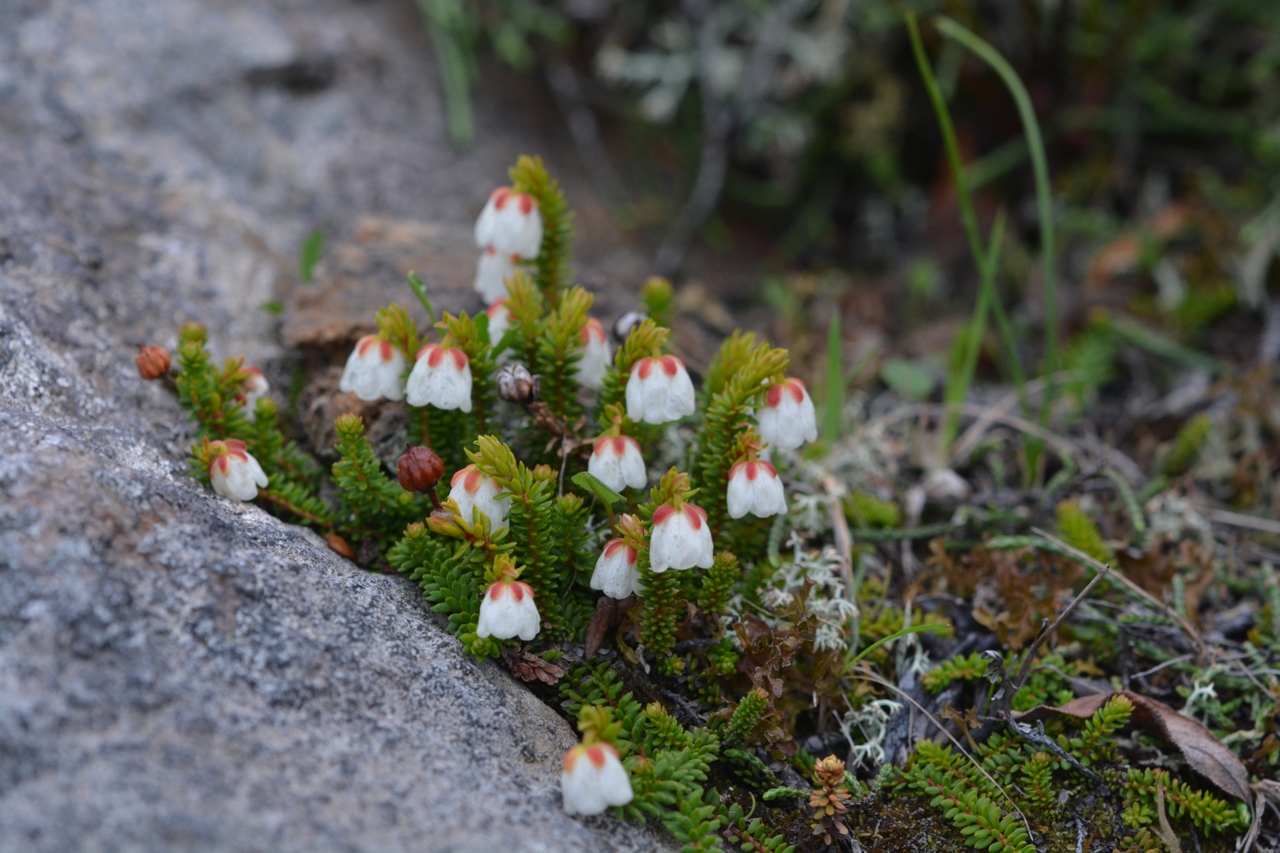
x=594, y=364
x=615, y=574
x=510, y=223
x=499, y=318
x=787, y=419
x=471, y=490
x=754, y=488
x=234, y=472
x=616, y=462
x=373, y=370
x=492, y=273
x=680, y=539
x=251, y=390
x=507, y=610
x=441, y=377
x=659, y=390
x=593, y=779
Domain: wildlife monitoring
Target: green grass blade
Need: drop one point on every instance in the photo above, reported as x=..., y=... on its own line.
x=1044, y=202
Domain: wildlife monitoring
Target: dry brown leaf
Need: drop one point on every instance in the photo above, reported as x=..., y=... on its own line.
x=1207, y=755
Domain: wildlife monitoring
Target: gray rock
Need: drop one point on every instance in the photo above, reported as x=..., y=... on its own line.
x=178, y=671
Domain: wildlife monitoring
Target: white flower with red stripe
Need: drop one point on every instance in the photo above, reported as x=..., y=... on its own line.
x=374, y=370
x=470, y=490
x=252, y=389
x=615, y=574
x=500, y=320
x=233, y=471
x=594, y=364
x=593, y=779
x=507, y=609
x=492, y=273
x=441, y=377
x=659, y=390
x=510, y=223
x=754, y=488
x=787, y=419
x=616, y=461
x=680, y=538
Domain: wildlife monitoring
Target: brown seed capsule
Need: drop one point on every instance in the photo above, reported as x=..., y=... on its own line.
x=420, y=469
x=517, y=385
x=153, y=361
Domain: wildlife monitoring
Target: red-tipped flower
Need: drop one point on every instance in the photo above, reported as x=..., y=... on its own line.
x=754, y=488
x=234, y=473
x=659, y=390
x=593, y=779
x=680, y=539
x=787, y=419
x=441, y=377
x=373, y=371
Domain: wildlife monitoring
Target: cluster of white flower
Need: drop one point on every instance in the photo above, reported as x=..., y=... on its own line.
x=658, y=391
x=508, y=231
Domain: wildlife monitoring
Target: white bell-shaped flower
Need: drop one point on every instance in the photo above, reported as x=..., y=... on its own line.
x=471, y=489
x=510, y=223
x=594, y=364
x=754, y=487
x=234, y=472
x=500, y=320
x=615, y=574
x=441, y=377
x=787, y=419
x=659, y=390
x=492, y=273
x=252, y=389
x=616, y=462
x=507, y=610
x=374, y=370
x=593, y=779
x=680, y=539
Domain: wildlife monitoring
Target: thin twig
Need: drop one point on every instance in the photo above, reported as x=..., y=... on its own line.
x=1239, y=519
x=1025, y=668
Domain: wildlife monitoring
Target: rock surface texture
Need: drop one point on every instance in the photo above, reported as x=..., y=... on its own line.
x=177, y=671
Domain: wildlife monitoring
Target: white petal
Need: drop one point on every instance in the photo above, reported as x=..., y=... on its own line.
x=614, y=575
x=632, y=468
x=607, y=468
x=594, y=365
x=615, y=786
x=738, y=497
x=635, y=397
x=680, y=397
x=492, y=273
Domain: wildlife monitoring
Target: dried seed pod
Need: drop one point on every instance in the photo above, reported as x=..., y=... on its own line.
x=517, y=385
x=419, y=469
x=152, y=361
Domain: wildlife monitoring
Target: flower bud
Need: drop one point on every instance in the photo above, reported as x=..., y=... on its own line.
x=517, y=385
x=419, y=469
x=153, y=361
